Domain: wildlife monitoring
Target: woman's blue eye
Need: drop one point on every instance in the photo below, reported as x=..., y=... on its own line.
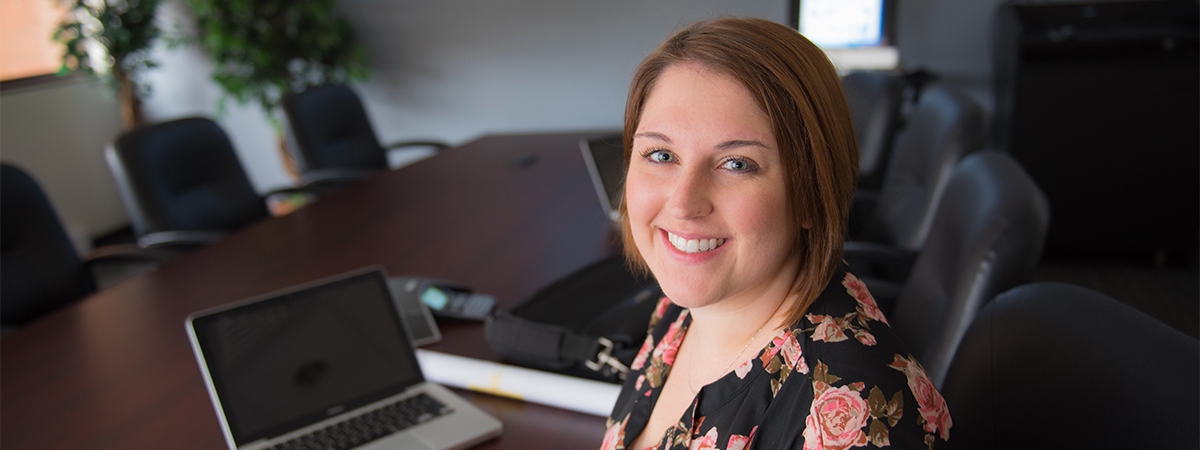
x=661, y=156
x=739, y=165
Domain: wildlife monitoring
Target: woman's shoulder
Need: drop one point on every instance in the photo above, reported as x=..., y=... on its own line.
x=846, y=311
x=865, y=384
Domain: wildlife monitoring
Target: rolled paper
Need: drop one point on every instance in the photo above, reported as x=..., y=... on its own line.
x=551, y=389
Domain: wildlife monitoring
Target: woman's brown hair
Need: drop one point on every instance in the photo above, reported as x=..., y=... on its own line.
x=795, y=84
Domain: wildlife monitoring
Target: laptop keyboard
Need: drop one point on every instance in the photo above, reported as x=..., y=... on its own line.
x=370, y=426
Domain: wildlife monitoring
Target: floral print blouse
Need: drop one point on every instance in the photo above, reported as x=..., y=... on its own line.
x=837, y=379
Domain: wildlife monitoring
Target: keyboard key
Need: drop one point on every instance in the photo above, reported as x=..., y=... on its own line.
x=368, y=427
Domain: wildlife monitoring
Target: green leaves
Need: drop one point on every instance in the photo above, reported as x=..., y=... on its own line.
x=882, y=411
x=124, y=31
x=264, y=49
x=821, y=373
x=890, y=410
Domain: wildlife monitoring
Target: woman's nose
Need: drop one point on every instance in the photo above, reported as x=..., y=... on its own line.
x=689, y=197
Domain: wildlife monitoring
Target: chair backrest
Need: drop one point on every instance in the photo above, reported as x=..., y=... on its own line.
x=944, y=127
x=39, y=268
x=1052, y=365
x=987, y=237
x=182, y=175
x=329, y=129
x=874, y=98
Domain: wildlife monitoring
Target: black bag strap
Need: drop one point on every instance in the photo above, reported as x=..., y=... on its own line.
x=590, y=323
x=551, y=345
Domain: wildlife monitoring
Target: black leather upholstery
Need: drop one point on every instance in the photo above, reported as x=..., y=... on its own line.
x=874, y=98
x=944, y=127
x=39, y=268
x=330, y=129
x=1052, y=365
x=331, y=137
x=182, y=179
x=987, y=237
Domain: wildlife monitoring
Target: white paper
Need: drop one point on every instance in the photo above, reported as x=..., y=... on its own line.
x=560, y=391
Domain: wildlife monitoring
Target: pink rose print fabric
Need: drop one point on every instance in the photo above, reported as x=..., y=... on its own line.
x=935, y=417
x=837, y=379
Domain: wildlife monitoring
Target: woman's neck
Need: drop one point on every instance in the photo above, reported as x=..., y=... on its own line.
x=730, y=322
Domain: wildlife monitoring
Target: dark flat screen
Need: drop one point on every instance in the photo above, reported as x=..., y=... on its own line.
x=294, y=359
x=609, y=155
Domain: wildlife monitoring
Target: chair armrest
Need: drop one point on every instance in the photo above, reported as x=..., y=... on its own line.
x=404, y=153
x=317, y=183
x=879, y=260
x=159, y=254
x=178, y=238
x=438, y=146
x=315, y=179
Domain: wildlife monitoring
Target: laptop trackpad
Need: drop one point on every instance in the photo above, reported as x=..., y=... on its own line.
x=404, y=440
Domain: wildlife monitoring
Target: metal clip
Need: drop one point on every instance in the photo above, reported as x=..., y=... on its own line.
x=605, y=362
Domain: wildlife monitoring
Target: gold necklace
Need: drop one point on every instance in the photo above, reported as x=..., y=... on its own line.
x=692, y=358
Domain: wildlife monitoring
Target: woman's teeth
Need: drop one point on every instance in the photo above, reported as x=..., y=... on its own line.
x=694, y=245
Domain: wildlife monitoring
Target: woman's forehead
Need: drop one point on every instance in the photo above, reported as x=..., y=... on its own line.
x=693, y=102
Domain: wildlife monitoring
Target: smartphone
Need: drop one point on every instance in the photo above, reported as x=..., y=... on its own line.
x=456, y=302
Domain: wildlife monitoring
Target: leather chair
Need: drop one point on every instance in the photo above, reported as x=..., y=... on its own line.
x=182, y=183
x=1052, y=365
x=331, y=137
x=40, y=270
x=987, y=237
x=874, y=98
x=944, y=127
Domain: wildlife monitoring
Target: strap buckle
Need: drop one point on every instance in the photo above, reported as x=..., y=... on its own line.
x=605, y=362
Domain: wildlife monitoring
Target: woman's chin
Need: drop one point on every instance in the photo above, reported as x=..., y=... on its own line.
x=688, y=296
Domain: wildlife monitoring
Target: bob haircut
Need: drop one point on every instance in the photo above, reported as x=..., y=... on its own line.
x=795, y=84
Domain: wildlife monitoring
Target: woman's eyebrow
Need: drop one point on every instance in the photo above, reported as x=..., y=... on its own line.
x=722, y=146
x=740, y=143
x=653, y=135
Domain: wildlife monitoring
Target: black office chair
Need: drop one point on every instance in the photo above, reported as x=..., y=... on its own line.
x=874, y=98
x=39, y=268
x=987, y=237
x=944, y=127
x=1052, y=365
x=182, y=183
x=331, y=137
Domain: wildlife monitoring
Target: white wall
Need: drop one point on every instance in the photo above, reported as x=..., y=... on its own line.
x=450, y=70
x=457, y=69
x=950, y=38
x=57, y=132
x=454, y=70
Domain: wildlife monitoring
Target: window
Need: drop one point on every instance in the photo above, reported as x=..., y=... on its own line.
x=26, y=45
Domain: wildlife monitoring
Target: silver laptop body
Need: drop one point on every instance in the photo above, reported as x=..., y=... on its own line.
x=605, y=159
x=326, y=360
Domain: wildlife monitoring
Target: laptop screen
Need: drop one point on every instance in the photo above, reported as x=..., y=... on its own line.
x=297, y=358
x=605, y=158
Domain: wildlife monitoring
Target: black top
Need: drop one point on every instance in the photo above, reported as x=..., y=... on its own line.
x=837, y=379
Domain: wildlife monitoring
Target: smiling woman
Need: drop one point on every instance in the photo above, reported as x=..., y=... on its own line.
x=741, y=163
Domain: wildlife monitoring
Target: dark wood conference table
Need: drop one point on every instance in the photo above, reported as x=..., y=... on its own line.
x=503, y=214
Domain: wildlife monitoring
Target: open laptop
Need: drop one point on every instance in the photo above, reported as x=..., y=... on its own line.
x=605, y=159
x=326, y=365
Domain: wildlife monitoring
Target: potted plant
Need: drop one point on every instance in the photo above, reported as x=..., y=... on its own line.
x=111, y=39
x=263, y=50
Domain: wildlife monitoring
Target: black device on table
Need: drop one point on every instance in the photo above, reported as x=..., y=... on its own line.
x=446, y=299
